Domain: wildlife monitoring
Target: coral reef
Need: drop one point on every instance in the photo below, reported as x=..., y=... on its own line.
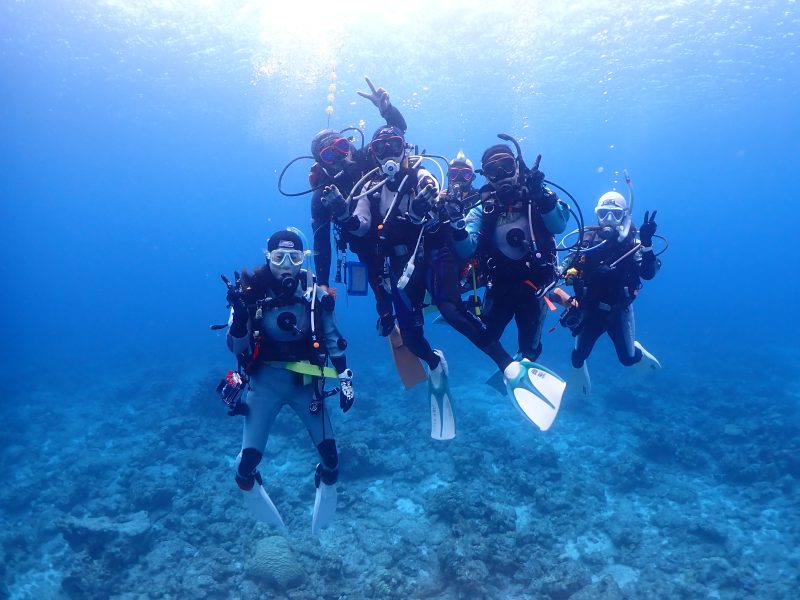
x=638, y=492
x=273, y=562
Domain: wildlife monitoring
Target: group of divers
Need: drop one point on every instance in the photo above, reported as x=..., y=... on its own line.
x=423, y=247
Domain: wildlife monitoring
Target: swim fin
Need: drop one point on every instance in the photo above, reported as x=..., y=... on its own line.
x=260, y=504
x=649, y=363
x=443, y=425
x=497, y=382
x=324, y=507
x=535, y=390
x=580, y=379
x=408, y=365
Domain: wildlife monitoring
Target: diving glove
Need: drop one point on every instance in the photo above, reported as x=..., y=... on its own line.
x=421, y=205
x=385, y=324
x=347, y=394
x=648, y=229
x=333, y=199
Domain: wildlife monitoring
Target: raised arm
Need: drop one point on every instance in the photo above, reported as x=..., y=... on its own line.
x=380, y=98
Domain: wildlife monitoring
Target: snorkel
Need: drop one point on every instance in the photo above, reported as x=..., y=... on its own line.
x=577, y=213
x=630, y=190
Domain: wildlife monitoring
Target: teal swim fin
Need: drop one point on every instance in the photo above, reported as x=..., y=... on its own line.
x=324, y=507
x=536, y=392
x=260, y=504
x=443, y=425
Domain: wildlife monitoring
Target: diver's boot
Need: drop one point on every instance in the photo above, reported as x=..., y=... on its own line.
x=246, y=482
x=513, y=370
x=324, y=504
x=438, y=376
x=649, y=363
x=580, y=379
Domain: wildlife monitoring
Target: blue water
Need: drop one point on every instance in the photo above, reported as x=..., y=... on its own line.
x=141, y=147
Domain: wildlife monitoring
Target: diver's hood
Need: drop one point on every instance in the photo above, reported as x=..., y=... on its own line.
x=609, y=226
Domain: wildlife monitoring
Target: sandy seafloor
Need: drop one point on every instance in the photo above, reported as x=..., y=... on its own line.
x=678, y=485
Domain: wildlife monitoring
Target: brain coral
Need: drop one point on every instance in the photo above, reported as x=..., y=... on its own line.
x=274, y=562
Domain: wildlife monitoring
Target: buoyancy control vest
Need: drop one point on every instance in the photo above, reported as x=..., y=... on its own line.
x=596, y=284
x=515, y=241
x=284, y=324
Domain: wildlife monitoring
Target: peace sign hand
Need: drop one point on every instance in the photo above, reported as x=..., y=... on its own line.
x=648, y=229
x=379, y=96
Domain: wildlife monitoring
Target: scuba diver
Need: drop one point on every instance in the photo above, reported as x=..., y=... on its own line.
x=282, y=330
x=512, y=231
x=606, y=277
x=447, y=248
x=401, y=201
x=338, y=168
x=454, y=203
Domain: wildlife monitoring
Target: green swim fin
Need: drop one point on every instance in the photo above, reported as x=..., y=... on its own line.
x=535, y=391
x=408, y=365
x=443, y=425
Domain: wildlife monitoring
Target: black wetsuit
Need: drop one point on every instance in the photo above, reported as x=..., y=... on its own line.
x=517, y=267
x=444, y=270
x=605, y=295
x=397, y=242
x=322, y=219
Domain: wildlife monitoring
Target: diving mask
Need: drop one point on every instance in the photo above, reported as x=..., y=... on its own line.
x=609, y=216
x=388, y=147
x=334, y=151
x=279, y=256
x=499, y=167
x=464, y=174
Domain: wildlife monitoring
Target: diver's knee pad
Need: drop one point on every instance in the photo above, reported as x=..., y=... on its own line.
x=245, y=466
x=328, y=470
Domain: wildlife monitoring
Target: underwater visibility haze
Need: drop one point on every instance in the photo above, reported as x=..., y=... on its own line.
x=141, y=147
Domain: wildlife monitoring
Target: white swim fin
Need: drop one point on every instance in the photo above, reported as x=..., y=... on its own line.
x=324, y=507
x=580, y=380
x=649, y=363
x=261, y=506
x=443, y=425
